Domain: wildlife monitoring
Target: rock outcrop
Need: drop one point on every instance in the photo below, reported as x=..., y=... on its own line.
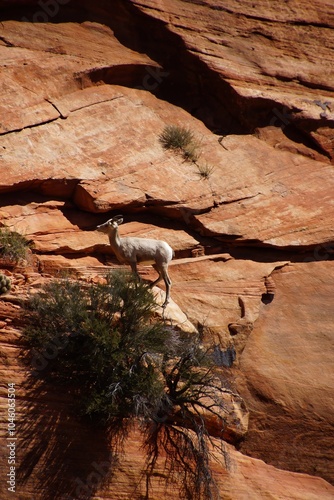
x=87, y=88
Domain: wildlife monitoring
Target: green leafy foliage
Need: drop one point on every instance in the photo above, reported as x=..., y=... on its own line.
x=5, y=284
x=13, y=245
x=103, y=332
x=122, y=364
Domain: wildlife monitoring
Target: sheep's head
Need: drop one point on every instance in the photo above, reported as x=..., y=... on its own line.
x=114, y=222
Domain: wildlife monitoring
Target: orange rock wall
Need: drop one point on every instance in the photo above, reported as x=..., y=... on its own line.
x=86, y=89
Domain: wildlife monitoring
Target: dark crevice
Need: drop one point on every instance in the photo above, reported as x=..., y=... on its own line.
x=6, y=42
x=268, y=20
x=125, y=75
x=56, y=108
x=236, y=200
x=34, y=189
x=32, y=125
x=298, y=130
x=317, y=86
x=298, y=134
x=267, y=298
x=311, y=253
x=268, y=36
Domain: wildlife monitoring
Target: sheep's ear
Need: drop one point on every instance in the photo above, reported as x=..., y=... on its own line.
x=119, y=221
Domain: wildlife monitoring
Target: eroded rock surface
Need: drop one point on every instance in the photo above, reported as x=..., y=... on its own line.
x=289, y=374
x=85, y=95
x=273, y=61
x=70, y=461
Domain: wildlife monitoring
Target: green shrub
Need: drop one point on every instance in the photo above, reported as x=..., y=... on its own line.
x=204, y=171
x=13, y=245
x=176, y=137
x=180, y=139
x=5, y=284
x=121, y=364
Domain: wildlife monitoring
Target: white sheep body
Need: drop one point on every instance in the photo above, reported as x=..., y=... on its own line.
x=143, y=251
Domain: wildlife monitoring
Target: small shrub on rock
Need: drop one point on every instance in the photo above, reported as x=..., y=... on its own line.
x=176, y=137
x=13, y=246
x=180, y=139
x=5, y=284
x=205, y=171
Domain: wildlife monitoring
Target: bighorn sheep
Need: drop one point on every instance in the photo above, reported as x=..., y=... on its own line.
x=140, y=250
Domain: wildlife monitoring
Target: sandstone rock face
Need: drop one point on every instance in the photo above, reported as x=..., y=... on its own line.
x=86, y=90
x=256, y=51
x=288, y=369
x=281, y=196
x=70, y=461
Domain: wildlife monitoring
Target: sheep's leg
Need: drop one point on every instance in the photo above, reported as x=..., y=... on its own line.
x=159, y=277
x=168, y=284
x=135, y=270
x=163, y=274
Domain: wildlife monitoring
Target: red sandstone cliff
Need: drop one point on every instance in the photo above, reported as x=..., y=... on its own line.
x=86, y=88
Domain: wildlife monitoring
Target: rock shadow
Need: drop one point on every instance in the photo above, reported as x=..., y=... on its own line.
x=59, y=455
